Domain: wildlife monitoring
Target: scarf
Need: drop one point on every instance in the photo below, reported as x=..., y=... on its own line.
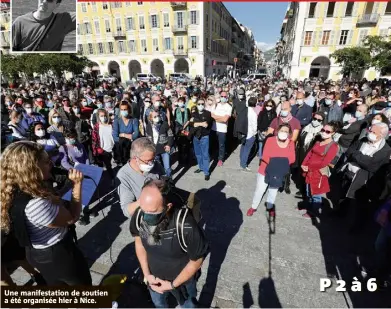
x=311, y=133
x=178, y=116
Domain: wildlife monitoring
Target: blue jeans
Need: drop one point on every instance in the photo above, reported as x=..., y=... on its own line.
x=260, y=149
x=315, y=200
x=165, y=157
x=185, y=295
x=221, y=137
x=245, y=151
x=201, y=150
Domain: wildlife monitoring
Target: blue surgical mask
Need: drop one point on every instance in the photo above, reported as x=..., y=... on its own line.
x=358, y=114
x=328, y=101
x=70, y=141
x=376, y=111
x=284, y=113
x=153, y=219
x=124, y=113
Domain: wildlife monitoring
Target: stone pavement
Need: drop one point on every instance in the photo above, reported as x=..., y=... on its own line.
x=253, y=263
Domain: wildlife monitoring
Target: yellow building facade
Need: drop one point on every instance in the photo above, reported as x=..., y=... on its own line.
x=5, y=24
x=314, y=30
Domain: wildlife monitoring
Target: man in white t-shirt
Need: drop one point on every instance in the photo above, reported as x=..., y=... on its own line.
x=221, y=114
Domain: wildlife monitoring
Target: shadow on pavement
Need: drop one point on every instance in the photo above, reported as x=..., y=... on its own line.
x=223, y=219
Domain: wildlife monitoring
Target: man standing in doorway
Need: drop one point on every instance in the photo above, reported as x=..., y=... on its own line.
x=42, y=30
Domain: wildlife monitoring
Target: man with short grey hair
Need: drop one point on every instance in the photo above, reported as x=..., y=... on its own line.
x=132, y=175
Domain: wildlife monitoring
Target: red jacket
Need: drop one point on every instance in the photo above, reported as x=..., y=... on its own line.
x=316, y=159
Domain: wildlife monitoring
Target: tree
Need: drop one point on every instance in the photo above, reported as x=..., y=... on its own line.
x=10, y=67
x=352, y=59
x=380, y=51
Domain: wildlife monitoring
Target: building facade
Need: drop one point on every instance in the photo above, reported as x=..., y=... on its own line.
x=311, y=31
x=5, y=26
x=126, y=38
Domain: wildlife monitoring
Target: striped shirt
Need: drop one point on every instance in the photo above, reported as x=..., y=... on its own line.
x=40, y=213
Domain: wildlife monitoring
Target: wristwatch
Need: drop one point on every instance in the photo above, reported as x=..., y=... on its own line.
x=172, y=285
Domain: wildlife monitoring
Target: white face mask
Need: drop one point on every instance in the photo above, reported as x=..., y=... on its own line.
x=375, y=121
x=156, y=119
x=56, y=119
x=268, y=108
x=103, y=119
x=76, y=111
x=350, y=95
x=29, y=110
x=99, y=105
x=372, y=137
x=282, y=136
x=156, y=104
x=146, y=168
x=300, y=101
x=324, y=135
x=40, y=133
x=194, y=100
x=315, y=123
x=147, y=104
x=200, y=108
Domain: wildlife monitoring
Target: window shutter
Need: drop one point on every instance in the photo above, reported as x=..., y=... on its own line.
x=317, y=10
x=326, y=6
x=349, y=39
x=175, y=19
x=303, y=38
x=198, y=17
x=337, y=37
x=150, y=21
x=336, y=9
x=189, y=41
x=375, y=8
x=355, y=9
x=308, y=9
x=343, y=6
x=197, y=42
x=158, y=20
x=332, y=38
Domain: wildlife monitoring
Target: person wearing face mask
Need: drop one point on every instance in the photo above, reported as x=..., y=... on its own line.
x=278, y=155
x=351, y=104
x=72, y=152
x=265, y=118
x=94, y=116
x=373, y=98
x=316, y=168
x=200, y=123
x=40, y=107
x=39, y=135
x=18, y=132
x=132, y=176
x=330, y=108
x=56, y=128
x=193, y=101
x=365, y=158
x=161, y=134
x=167, y=268
x=145, y=110
x=29, y=116
x=125, y=131
x=221, y=114
x=301, y=110
x=182, y=134
x=239, y=103
x=372, y=120
x=158, y=107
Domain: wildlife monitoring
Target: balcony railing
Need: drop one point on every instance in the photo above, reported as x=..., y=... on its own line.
x=368, y=20
x=180, y=52
x=177, y=28
x=119, y=35
x=178, y=5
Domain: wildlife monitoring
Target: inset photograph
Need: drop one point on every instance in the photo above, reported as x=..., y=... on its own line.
x=43, y=26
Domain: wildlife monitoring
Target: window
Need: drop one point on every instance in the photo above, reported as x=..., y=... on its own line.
x=80, y=48
x=180, y=19
x=349, y=9
x=118, y=24
x=180, y=43
x=121, y=47
x=344, y=37
x=155, y=43
x=153, y=21
x=167, y=43
x=330, y=9
x=141, y=22
x=90, y=48
x=143, y=45
x=132, y=46
x=100, y=48
x=308, y=38
x=84, y=7
x=129, y=23
x=93, y=6
x=87, y=26
x=128, y=3
x=166, y=20
x=325, y=37
x=362, y=36
x=193, y=42
x=140, y=3
x=193, y=17
x=116, y=5
x=105, y=5
x=107, y=25
x=111, y=48
x=383, y=32
x=97, y=27
x=388, y=8
x=311, y=12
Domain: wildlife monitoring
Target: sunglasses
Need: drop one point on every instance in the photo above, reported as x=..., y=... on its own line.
x=65, y=100
x=200, y=104
x=318, y=119
x=56, y=117
x=326, y=131
x=269, y=106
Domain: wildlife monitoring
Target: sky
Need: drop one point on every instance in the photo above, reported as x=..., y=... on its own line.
x=263, y=18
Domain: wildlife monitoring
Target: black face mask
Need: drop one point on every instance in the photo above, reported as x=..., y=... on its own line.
x=153, y=219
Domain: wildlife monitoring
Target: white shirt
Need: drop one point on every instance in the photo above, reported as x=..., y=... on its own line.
x=369, y=149
x=106, y=138
x=252, y=122
x=155, y=134
x=221, y=110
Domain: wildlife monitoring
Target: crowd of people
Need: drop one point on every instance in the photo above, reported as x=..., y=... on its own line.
x=331, y=140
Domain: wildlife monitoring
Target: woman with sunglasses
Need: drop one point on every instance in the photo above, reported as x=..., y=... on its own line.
x=316, y=168
x=265, y=118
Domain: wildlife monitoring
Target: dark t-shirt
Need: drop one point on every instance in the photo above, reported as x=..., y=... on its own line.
x=294, y=123
x=166, y=259
x=26, y=30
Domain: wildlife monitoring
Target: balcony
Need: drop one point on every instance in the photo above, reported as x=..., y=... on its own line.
x=180, y=52
x=119, y=35
x=179, y=29
x=178, y=5
x=367, y=20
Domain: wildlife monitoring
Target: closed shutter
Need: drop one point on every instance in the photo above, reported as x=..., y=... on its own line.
x=158, y=20
x=375, y=9
x=350, y=36
x=308, y=9
x=197, y=42
x=336, y=9
x=175, y=20
x=198, y=17
x=302, y=39
x=317, y=10
x=343, y=6
x=150, y=21
x=189, y=42
x=355, y=9
x=337, y=37
x=326, y=6
x=188, y=15
x=332, y=38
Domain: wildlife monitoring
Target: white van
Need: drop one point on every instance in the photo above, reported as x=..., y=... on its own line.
x=147, y=77
x=252, y=77
x=180, y=77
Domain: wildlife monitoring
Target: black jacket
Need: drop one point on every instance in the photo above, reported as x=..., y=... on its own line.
x=201, y=117
x=276, y=171
x=351, y=134
x=265, y=118
x=241, y=124
x=166, y=138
